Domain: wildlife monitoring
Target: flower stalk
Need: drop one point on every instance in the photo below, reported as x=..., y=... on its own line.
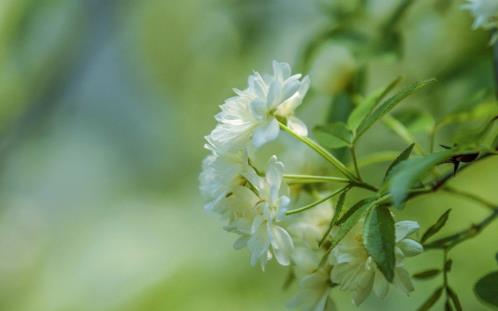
x=312, y=179
x=322, y=152
x=311, y=205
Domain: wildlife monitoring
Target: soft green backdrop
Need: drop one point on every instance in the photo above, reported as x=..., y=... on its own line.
x=103, y=109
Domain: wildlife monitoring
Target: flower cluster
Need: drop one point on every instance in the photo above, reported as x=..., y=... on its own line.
x=485, y=14
x=255, y=203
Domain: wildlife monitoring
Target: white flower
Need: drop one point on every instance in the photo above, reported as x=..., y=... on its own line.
x=252, y=114
x=314, y=284
x=354, y=270
x=265, y=238
x=314, y=292
x=221, y=174
x=485, y=14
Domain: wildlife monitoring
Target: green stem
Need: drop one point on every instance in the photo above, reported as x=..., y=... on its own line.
x=432, y=138
x=470, y=196
x=355, y=161
x=398, y=128
x=445, y=272
x=374, y=158
x=322, y=152
x=311, y=205
x=312, y=179
x=461, y=236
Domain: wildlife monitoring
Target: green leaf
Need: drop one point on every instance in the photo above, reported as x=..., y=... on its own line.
x=367, y=105
x=388, y=105
x=454, y=299
x=408, y=172
x=483, y=135
x=353, y=209
x=350, y=219
x=378, y=237
x=487, y=288
x=436, y=227
x=401, y=157
x=339, y=206
x=427, y=274
x=447, y=265
x=431, y=300
x=334, y=135
x=337, y=212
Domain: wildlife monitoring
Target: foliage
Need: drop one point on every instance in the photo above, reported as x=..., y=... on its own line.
x=362, y=245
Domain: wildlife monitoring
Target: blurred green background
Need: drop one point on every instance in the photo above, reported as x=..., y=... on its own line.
x=103, y=109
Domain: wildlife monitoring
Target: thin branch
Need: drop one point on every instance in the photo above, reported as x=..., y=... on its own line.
x=439, y=183
x=311, y=205
x=313, y=179
x=461, y=236
x=469, y=196
x=355, y=161
x=321, y=151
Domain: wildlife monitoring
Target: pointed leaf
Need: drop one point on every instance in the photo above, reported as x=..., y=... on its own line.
x=402, y=156
x=337, y=212
x=408, y=172
x=436, y=227
x=431, y=300
x=350, y=219
x=487, y=288
x=454, y=299
x=388, y=105
x=353, y=209
x=447, y=265
x=427, y=274
x=339, y=206
x=369, y=104
x=334, y=135
x=378, y=237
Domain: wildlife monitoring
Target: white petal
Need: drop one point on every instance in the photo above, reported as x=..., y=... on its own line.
x=240, y=242
x=258, y=244
x=282, y=245
x=405, y=228
x=281, y=71
x=381, y=286
x=274, y=171
x=265, y=133
x=410, y=247
x=290, y=88
x=258, y=108
x=402, y=280
x=365, y=287
x=297, y=126
x=274, y=94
